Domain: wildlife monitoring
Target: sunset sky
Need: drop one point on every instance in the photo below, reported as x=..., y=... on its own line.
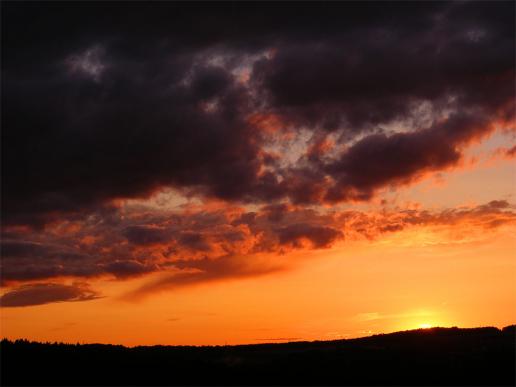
x=230, y=173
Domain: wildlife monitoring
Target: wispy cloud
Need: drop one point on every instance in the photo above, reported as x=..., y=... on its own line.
x=45, y=293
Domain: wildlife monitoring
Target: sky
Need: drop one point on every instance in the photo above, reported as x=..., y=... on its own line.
x=226, y=173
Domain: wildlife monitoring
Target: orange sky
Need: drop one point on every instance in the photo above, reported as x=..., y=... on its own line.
x=457, y=274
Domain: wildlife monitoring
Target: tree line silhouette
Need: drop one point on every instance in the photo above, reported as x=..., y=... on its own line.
x=435, y=356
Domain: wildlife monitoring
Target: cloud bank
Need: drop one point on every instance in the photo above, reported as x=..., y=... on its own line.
x=119, y=110
x=277, y=113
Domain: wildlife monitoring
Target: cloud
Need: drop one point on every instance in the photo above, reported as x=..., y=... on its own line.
x=379, y=160
x=318, y=236
x=127, y=268
x=268, y=119
x=46, y=293
x=121, y=111
x=145, y=235
x=194, y=272
x=376, y=72
x=205, y=244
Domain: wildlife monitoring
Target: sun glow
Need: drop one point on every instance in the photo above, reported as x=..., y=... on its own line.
x=425, y=326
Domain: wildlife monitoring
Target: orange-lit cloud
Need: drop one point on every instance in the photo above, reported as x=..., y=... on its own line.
x=199, y=244
x=44, y=293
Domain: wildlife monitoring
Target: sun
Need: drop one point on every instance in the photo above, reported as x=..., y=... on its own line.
x=425, y=326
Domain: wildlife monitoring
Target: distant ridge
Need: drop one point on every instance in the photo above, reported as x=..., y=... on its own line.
x=430, y=356
x=508, y=328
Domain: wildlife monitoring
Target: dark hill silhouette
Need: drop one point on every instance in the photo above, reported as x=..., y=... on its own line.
x=435, y=356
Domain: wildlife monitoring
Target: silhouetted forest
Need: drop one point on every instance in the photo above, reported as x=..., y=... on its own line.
x=436, y=356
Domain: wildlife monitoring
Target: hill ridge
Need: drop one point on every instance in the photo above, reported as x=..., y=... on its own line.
x=434, y=356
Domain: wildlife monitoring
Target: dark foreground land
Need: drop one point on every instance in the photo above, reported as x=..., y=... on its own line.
x=437, y=356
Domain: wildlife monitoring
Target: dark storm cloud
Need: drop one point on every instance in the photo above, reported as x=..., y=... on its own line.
x=45, y=293
x=131, y=99
x=128, y=268
x=378, y=160
x=14, y=249
x=145, y=235
x=371, y=74
x=120, y=139
x=25, y=260
x=276, y=212
x=194, y=241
